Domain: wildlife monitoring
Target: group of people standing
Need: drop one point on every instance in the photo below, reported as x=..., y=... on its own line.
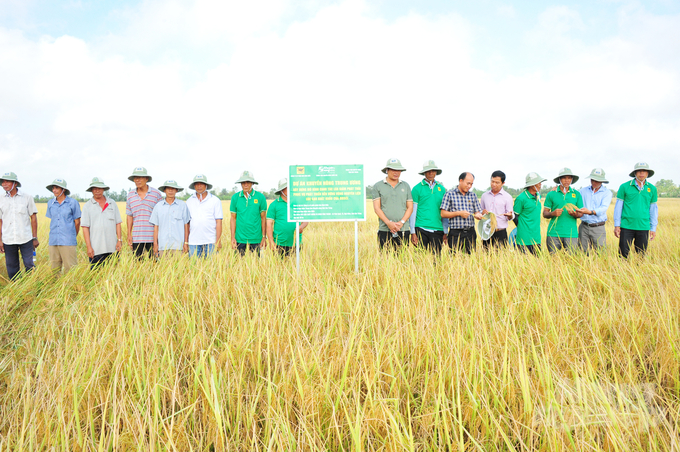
x=430, y=214
x=156, y=225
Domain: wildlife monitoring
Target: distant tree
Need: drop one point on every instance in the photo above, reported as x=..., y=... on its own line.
x=667, y=189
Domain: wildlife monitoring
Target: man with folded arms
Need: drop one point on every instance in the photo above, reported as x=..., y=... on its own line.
x=170, y=219
x=18, y=226
x=64, y=214
x=139, y=205
x=596, y=201
x=205, y=228
x=101, y=225
x=427, y=227
x=500, y=203
x=461, y=206
x=636, y=213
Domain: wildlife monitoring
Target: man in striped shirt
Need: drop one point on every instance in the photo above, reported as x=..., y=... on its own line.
x=139, y=206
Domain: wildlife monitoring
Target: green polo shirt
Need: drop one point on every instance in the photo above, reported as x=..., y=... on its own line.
x=429, y=200
x=636, y=204
x=392, y=202
x=528, y=207
x=564, y=225
x=248, y=219
x=284, y=230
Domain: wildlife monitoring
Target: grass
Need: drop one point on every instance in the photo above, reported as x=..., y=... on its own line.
x=494, y=351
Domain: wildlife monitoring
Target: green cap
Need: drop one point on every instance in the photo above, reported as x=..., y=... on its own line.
x=61, y=183
x=283, y=184
x=140, y=171
x=566, y=172
x=484, y=226
x=170, y=183
x=393, y=164
x=533, y=179
x=12, y=177
x=597, y=174
x=97, y=183
x=246, y=176
x=202, y=179
x=638, y=166
x=430, y=166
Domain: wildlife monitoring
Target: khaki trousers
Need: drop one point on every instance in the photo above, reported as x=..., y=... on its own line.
x=63, y=256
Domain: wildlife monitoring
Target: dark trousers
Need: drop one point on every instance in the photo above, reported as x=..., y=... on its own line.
x=12, y=258
x=386, y=239
x=432, y=241
x=99, y=260
x=285, y=251
x=499, y=239
x=629, y=236
x=143, y=250
x=462, y=239
x=533, y=249
x=243, y=247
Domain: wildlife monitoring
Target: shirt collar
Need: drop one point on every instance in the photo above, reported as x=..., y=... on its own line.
x=499, y=193
x=633, y=182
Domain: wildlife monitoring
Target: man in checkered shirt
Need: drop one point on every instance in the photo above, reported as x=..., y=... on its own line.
x=461, y=206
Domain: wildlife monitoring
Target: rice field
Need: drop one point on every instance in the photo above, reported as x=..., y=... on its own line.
x=494, y=351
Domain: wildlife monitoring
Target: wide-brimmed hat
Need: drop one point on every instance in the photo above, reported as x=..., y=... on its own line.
x=61, y=183
x=283, y=184
x=393, y=164
x=97, y=183
x=246, y=176
x=170, y=184
x=597, y=174
x=566, y=172
x=140, y=171
x=202, y=179
x=533, y=179
x=12, y=177
x=642, y=166
x=430, y=166
x=485, y=227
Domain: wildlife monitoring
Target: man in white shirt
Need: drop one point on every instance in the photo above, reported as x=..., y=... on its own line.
x=18, y=225
x=205, y=228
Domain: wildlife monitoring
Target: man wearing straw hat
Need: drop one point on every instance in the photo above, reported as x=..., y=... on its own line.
x=64, y=214
x=393, y=203
x=562, y=206
x=280, y=231
x=461, y=206
x=18, y=225
x=596, y=201
x=139, y=205
x=527, y=210
x=248, y=223
x=636, y=213
x=498, y=202
x=101, y=224
x=427, y=227
x=170, y=219
x=205, y=228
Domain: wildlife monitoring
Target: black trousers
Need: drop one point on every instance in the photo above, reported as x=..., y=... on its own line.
x=432, y=241
x=499, y=239
x=243, y=247
x=386, y=239
x=12, y=258
x=143, y=250
x=533, y=249
x=285, y=251
x=638, y=238
x=99, y=259
x=462, y=239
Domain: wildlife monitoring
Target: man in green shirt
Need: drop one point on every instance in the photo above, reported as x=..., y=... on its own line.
x=280, y=231
x=561, y=206
x=248, y=209
x=636, y=214
x=393, y=203
x=427, y=227
x=527, y=209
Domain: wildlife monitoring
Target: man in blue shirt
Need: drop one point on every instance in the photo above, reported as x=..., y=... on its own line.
x=596, y=201
x=170, y=219
x=64, y=214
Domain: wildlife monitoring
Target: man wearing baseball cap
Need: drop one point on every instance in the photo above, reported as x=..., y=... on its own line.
x=596, y=200
x=393, y=203
x=248, y=217
x=170, y=219
x=562, y=207
x=101, y=224
x=138, y=207
x=427, y=227
x=64, y=214
x=18, y=225
x=527, y=210
x=636, y=213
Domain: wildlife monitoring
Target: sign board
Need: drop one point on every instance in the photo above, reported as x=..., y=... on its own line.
x=326, y=193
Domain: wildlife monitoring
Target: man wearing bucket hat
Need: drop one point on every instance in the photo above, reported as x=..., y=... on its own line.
x=280, y=231
x=427, y=227
x=393, y=203
x=596, y=201
x=170, y=219
x=527, y=210
x=461, y=206
x=205, y=228
x=498, y=202
x=18, y=225
x=101, y=224
x=248, y=223
x=64, y=214
x=562, y=206
x=138, y=208
x=636, y=213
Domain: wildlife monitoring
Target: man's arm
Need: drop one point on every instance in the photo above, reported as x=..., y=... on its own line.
x=185, y=245
x=653, y=219
x=263, y=221
x=88, y=245
x=618, y=209
x=270, y=233
x=119, y=233
x=232, y=226
x=129, y=229
x=377, y=208
x=155, y=240
x=2, y=246
x=77, y=222
x=34, y=229
x=218, y=233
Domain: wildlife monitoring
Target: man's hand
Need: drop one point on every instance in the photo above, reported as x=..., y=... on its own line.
x=90, y=251
x=155, y=250
x=394, y=226
x=185, y=248
x=557, y=212
x=414, y=239
x=478, y=215
x=218, y=244
x=129, y=241
x=508, y=215
x=652, y=235
x=484, y=212
x=617, y=232
x=234, y=245
x=2, y=247
x=263, y=243
x=463, y=214
x=36, y=243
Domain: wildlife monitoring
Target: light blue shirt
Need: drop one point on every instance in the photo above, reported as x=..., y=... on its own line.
x=653, y=214
x=598, y=201
x=170, y=219
x=63, y=221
